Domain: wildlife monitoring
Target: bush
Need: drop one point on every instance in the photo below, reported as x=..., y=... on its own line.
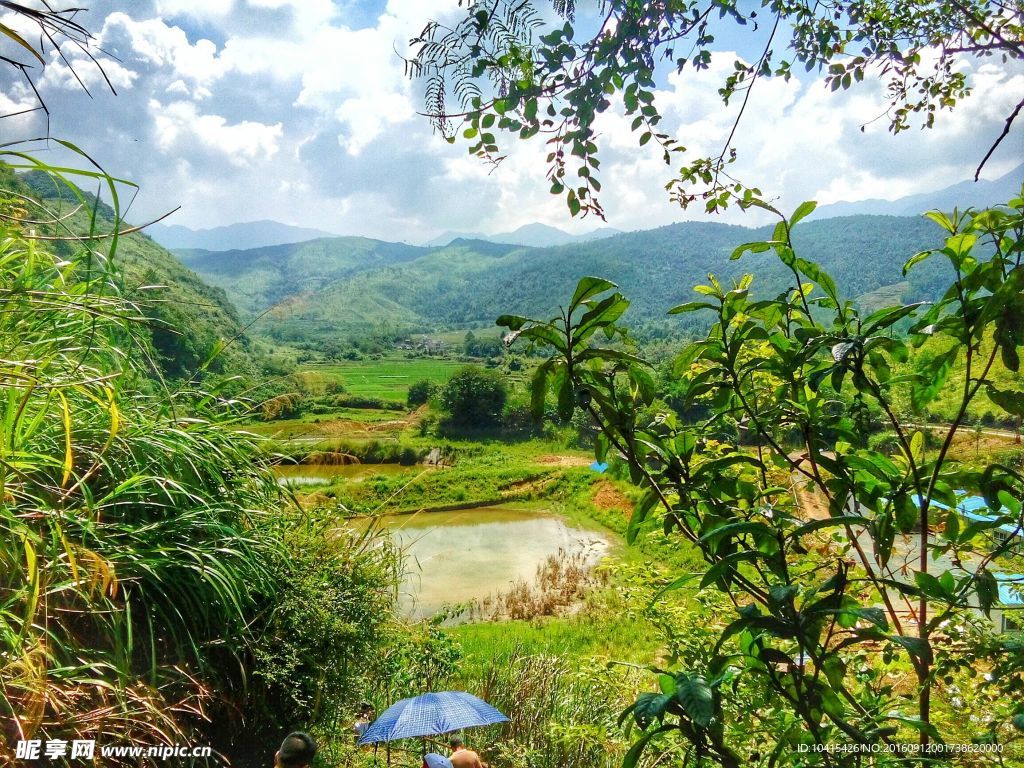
x=474, y=398
x=420, y=393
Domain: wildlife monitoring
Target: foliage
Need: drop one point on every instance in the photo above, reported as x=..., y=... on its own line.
x=57, y=30
x=131, y=557
x=482, y=346
x=153, y=577
x=830, y=611
x=188, y=328
x=420, y=392
x=504, y=76
x=474, y=398
x=317, y=652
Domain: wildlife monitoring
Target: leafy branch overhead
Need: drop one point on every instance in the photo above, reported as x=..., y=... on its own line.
x=503, y=68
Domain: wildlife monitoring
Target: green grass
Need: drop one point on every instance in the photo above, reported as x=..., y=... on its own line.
x=598, y=633
x=386, y=379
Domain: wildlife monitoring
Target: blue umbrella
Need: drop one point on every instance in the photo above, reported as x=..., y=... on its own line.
x=430, y=714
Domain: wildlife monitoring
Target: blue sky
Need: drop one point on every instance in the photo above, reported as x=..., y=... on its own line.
x=297, y=110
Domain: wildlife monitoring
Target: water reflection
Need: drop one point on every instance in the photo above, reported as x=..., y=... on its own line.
x=457, y=557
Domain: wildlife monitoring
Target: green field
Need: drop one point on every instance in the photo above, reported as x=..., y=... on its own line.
x=385, y=379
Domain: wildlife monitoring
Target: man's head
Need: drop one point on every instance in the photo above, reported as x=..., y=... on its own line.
x=297, y=751
x=456, y=742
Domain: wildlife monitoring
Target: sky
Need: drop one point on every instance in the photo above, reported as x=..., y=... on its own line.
x=299, y=111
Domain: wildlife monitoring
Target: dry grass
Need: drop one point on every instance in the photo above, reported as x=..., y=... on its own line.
x=559, y=584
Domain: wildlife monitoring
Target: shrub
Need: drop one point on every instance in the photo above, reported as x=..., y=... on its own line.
x=420, y=392
x=474, y=398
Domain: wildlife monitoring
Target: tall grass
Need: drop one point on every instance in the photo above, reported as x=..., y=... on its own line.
x=563, y=712
x=130, y=524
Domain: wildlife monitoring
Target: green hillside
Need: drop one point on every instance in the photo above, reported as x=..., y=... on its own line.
x=260, y=278
x=188, y=320
x=346, y=286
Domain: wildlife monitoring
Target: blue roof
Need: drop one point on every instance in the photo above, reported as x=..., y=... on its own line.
x=975, y=508
x=1011, y=589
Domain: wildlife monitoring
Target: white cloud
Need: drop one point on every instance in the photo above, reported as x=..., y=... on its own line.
x=200, y=9
x=178, y=124
x=165, y=47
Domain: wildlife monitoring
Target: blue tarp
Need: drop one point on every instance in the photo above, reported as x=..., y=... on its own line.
x=975, y=508
x=599, y=466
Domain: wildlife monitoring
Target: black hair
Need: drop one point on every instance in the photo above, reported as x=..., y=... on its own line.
x=456, y=742
x=297, y=750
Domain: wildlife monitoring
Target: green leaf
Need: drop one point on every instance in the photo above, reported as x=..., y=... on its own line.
x=691, y=306
x=632, y=757
x=650, y=707
x=697, y=699
x=803, y=210
x=885, y=318
x=815, y=525
x=875, y=615
x=915, y=646
x=1010, y=400
x=587, y=287
x=932, y=378
x=639, y=516
x=756, y=247
x=512, y=322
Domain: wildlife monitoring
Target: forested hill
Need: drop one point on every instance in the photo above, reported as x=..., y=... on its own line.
x=189, y=319
x=342, y=286
x=260, y=278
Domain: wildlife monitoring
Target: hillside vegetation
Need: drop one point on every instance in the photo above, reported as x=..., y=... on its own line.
x=189, y=324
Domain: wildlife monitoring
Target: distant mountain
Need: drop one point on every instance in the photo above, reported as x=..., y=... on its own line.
x=532, y=235
x=250, y=234
x=978, y=194
x=350, y=286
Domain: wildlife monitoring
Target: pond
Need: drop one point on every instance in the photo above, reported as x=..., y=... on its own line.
x=322, y=474
x=471, y=554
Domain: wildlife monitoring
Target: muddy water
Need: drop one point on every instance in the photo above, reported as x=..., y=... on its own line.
x=456, y=557
x=320, y=474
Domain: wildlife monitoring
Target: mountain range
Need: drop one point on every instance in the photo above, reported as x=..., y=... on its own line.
x=977, y=194
x=263, y=233
x=345, y=287
x=249, y=234
x=534, y=235
x=189, y=325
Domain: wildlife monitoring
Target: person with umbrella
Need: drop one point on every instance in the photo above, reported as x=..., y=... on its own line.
x=431, y=714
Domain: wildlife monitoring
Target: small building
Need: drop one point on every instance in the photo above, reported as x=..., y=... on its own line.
x=1008, y=612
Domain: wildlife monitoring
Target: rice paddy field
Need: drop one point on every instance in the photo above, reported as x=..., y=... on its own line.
x=386, y=379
